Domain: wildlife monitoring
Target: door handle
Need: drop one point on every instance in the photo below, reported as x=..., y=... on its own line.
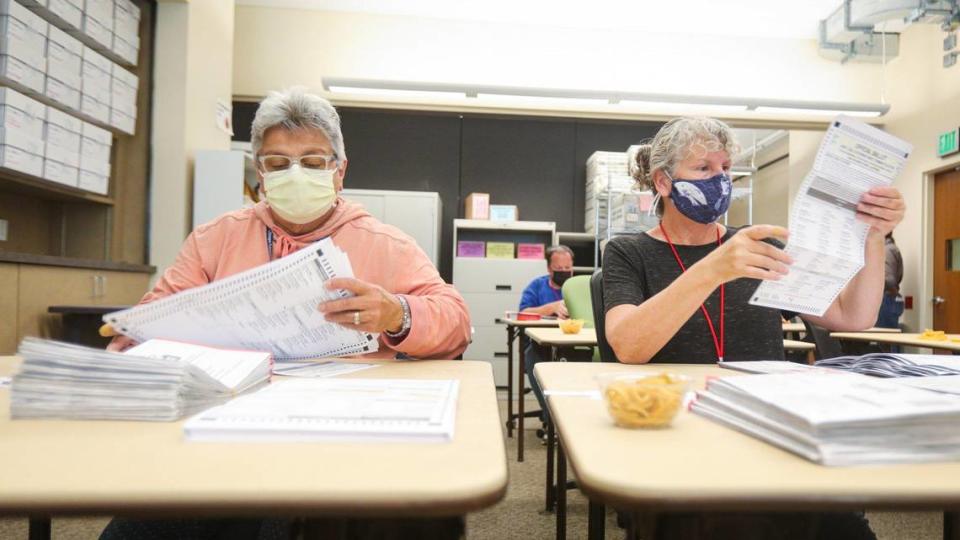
x=937, y=300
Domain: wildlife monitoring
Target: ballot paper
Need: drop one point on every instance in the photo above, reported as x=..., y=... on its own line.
x=272, y=308
x=402, y=410
x=826, y=240
x=318, y=369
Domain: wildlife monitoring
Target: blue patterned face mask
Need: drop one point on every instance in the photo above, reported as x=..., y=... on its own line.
x=703, y=201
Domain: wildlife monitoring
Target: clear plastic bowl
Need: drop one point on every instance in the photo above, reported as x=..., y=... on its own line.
x=571, y=326
x=643, y=399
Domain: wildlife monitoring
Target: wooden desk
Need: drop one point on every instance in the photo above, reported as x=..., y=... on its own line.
x=147, y=469
x=909, y=340
x=514, y=330
x=793, y=345
x=698, y=465
x=797, y=328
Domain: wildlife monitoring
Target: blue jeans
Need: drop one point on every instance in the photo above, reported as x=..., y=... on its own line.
x=890, y=310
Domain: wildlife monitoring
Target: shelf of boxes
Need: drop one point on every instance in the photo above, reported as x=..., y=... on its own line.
x=45, y=54
x=44, y=143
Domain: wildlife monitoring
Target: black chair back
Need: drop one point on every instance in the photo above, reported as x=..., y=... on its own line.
x=599, y=317
x=827, y=347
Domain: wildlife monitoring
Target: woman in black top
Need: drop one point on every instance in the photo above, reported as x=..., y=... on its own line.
x=679, y=292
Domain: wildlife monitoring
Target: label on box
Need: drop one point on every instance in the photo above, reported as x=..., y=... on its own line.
x=60, y=173
x=18, y=160
x=13, y=70
x=467, y=248
x=93, y=182
x=499, y=250
x=62, y=93
x=530, y=251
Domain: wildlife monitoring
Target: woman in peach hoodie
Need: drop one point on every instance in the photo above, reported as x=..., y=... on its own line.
x=301, y=163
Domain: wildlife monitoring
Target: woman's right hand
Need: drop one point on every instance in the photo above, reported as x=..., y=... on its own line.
x=119, y=343
x=745, y=254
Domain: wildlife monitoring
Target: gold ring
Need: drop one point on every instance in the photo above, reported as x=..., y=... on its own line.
x=356, y=318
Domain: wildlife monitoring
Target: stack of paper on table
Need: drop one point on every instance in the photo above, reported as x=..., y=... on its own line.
x=837, y=418
x=272, y=307
x=157, y=380
x=334, y=409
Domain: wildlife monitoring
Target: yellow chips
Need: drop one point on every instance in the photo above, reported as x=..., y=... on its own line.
x=933, y=335
x=647, y=401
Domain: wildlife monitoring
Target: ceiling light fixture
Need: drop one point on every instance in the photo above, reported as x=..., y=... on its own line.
x=657, y=103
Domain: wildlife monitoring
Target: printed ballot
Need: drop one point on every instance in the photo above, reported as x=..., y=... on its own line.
x=272, y=307
x=826, y=240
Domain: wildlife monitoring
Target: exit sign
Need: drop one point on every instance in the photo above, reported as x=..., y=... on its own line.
x=948, y=143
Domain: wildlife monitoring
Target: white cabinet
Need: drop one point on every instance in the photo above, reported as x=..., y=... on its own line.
x=218, y=180
x=492, y=286
x=416, y=213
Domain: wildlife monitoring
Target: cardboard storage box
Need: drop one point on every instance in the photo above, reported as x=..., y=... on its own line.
x=21, y=113
x=69, y=11
x=503, y=212
x=23, y=34
x=467, y=248
x=62, y=135
x=94, y=182
x=530, y=251
x=500, y=250
x=477, y=206
x=16, y=159
x=60, y=173
x=64, y=58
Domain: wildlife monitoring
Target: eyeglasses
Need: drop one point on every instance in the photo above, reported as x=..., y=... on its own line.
x=274, y=163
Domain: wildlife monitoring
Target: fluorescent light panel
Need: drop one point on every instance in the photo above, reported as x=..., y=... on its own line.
x=669, y=106
x=396, y=92
x=817, y=112
x=542, y=100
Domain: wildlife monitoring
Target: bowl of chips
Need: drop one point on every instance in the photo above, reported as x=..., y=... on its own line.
x=571, y=326
x=643, y=399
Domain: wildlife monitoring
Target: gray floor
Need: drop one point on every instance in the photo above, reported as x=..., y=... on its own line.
x=520, y=514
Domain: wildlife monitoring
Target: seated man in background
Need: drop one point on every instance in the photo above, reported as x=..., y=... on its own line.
x=543, y=297
x=301, y=162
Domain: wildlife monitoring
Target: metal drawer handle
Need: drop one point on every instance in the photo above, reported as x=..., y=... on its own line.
x=504, y=287
x=500, y=354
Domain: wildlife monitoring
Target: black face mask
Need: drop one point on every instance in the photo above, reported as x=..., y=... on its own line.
x=559, y=276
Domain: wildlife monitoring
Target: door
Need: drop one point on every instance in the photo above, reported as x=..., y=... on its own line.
x=946, y=252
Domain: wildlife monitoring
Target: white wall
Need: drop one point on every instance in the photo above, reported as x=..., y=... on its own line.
x=276, y=48
x=193, y=70
x=925, y=101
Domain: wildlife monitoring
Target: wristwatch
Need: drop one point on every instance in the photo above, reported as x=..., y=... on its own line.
x=404, y=323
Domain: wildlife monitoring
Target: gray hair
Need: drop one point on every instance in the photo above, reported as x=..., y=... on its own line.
x=676, y=140
x=559, y=248
x=295, y=108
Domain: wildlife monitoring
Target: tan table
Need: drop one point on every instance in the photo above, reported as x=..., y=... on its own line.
x=698, y=465
x=798, y=328
x=144, y=469
x=794, y=345
x=515, y=330
x=909, y=340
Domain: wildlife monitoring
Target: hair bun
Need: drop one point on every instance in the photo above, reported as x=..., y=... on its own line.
x=638, y=163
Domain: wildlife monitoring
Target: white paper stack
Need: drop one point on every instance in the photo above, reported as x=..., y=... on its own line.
x=68, y=12
x=126, y=30
x=95, y=95
x=123, y=99
x=158, y=380
x=21, y=132
x=23, y=43
x=401, y=410
x=61, y=159
x=98, y=21
x=837, y=418
x=64, y=68
x=272, y=307
x=95, y=146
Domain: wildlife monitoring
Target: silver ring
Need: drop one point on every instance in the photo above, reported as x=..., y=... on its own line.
x=356, y=318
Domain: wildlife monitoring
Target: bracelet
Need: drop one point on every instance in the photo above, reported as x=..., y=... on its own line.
x=404, y=323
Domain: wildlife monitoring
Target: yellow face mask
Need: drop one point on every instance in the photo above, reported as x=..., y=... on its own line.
x=300, y=195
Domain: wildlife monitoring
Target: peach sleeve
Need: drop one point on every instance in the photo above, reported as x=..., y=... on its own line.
x=185, y=273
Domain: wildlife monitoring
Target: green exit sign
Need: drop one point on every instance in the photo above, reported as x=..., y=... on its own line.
x=948, y=143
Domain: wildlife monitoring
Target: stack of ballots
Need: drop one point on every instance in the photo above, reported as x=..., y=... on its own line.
x=157, y=380
x=837, y=418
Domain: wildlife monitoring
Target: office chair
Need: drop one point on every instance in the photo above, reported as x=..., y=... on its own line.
x=599, y=317
x=577, y=298
x=827, y=347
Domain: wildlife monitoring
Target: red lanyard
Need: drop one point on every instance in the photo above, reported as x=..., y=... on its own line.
x=717, y=343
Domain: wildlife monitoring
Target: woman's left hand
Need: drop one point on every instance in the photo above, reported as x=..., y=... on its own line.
x=371, y=309
x=882, y=208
